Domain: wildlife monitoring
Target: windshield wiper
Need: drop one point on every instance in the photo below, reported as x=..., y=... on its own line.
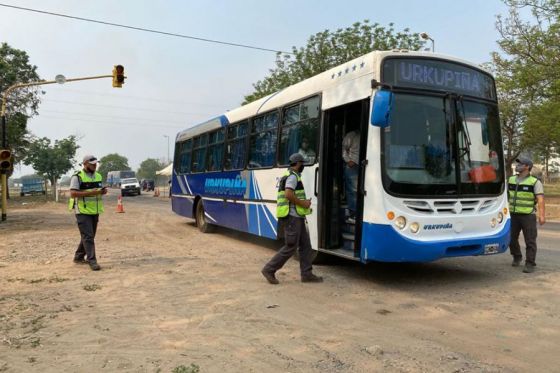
x=466, y=148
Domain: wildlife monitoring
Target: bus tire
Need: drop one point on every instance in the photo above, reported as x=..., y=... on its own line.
x=201, y=221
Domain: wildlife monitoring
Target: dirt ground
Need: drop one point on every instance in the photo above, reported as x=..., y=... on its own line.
x=171, y=299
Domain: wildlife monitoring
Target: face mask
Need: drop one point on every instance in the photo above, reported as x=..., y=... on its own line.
x=301, y=169
x=519, y=168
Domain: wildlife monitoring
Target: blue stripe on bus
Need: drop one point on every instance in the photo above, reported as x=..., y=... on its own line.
x=252, y=218
x=383, y=243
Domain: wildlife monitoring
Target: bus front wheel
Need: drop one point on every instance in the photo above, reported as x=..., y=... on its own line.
x=201, y=221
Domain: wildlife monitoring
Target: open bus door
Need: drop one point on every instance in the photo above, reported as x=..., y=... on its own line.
x=336, y=234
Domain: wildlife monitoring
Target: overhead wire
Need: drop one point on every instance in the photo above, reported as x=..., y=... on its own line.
x=123, y=107
x=142, y=29
x=111, y=116
x=112, y=123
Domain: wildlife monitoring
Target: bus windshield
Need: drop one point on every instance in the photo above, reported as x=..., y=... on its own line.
x=442, y=146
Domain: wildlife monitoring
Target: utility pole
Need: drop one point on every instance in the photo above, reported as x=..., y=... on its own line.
x=117, y=76
x=168, y=161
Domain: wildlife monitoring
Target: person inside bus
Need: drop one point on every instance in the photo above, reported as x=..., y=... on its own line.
x=350, y=155
x=308, y=153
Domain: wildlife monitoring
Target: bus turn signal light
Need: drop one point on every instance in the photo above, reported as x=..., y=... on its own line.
x=390, y=215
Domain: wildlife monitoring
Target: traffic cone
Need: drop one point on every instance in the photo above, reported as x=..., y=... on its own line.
x=120, y=207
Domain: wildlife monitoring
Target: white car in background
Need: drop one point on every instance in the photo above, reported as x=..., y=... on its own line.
x=130, y=186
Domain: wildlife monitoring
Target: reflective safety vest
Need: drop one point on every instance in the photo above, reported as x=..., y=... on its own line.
x=522, y=196
x=87, y=205
x=283, y=204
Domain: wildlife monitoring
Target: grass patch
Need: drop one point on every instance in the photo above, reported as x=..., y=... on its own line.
x=92, y=287
x=193, y=368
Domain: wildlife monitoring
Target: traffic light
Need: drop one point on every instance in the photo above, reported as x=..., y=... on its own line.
x=118, y=76
x=5, y=160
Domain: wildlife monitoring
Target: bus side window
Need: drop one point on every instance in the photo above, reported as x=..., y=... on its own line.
x=236, y=146
x=298, y=133
x=264, y=134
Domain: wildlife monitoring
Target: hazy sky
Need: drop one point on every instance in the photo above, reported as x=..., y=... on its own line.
x=175, y=83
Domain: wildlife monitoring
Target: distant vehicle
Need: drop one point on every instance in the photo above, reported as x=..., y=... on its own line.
x=114, y=177
x=148, y=185
x=130, y=186
x=32, y=186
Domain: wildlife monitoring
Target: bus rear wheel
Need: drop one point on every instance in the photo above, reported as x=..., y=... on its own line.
x=201, y=221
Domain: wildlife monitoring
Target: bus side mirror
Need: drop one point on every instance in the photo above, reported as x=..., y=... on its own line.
x=381, y=109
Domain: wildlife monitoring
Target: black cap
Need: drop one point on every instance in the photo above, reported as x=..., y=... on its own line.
x=525, y=161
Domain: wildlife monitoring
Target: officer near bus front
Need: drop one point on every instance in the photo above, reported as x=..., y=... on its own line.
x=292, y=206
x=85, y=200
x=526, y=193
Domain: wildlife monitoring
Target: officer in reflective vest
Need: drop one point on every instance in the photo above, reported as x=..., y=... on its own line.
x=85, y=200
x=525, y=193
x=291, y=208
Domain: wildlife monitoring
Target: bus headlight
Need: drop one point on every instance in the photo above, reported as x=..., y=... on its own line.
x=400, y=222
x=493, y=222
x=414, y=227
x=500, y=217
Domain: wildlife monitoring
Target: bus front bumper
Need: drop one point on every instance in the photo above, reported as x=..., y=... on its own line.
x=383, y=243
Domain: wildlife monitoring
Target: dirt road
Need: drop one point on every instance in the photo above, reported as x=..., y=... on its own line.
x=169, y=296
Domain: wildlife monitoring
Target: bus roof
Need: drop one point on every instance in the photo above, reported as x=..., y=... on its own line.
x=356, y=75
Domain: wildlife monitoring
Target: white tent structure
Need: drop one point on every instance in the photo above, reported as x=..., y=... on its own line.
x=167, y=171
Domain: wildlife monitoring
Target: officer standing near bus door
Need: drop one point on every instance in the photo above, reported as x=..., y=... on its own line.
x=524, y=191
x=85, y=200
x=291, y=208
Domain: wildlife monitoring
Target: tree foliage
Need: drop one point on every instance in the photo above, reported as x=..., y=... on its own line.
x=112, y=162
x=528, y=78
x=149, y=167
x=22, y=103
x=328, y=49
x=52, y=161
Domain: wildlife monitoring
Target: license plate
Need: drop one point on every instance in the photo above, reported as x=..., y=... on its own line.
x=491, y=249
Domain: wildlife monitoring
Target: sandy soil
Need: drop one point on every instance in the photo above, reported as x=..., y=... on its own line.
x=170, y=298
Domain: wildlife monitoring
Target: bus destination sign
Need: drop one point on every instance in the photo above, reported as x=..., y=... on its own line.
x=438, y=75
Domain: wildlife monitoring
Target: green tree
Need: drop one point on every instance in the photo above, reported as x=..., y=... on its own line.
x=149, y=167
x=112, y=162
x=51, y=161
x=22, y=103
x=528, y=78
x=328, y=49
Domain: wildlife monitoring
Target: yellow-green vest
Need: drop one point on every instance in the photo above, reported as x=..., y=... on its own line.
x=87, y=205
x=522, y=195
x=283, y=204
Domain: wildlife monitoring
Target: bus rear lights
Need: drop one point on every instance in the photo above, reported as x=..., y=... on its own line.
x=493, y=222
x=400, y=222
x=414, y=227
x=500, y=217
x=390, y=215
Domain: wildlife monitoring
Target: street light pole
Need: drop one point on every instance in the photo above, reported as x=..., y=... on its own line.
x=59, y=80
x=168, y=160
x=425, y=36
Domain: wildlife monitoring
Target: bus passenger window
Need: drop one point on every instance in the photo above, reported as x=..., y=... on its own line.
x=298, y=133
x=262, y=146
x=236, y=148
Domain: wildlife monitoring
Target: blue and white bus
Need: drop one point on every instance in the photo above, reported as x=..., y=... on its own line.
x=431, y=183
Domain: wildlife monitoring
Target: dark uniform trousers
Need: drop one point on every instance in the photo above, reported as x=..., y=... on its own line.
x=87, y=224
x=528, y=224
x=296, y=236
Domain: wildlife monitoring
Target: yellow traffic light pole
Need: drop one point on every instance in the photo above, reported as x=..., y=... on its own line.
x=4, y=127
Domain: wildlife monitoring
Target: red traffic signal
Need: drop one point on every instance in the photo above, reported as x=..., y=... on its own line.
x=5, y=160
x=118, y=76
